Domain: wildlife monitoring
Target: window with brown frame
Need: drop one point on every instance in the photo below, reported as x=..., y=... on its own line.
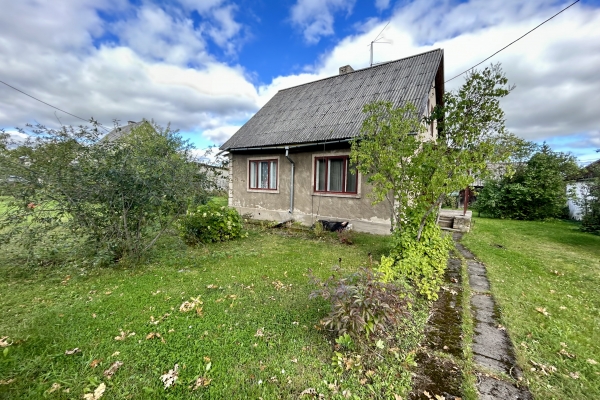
x=262, y=174
x=335, y=174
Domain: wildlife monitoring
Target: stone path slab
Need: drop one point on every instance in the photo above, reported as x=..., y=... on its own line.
x=492, y=348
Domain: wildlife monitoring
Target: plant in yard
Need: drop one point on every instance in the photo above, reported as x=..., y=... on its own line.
x=210, y=223
x=117, y=196
x=535, y=190
x=415, y=173
x=362, y=306
x=591, y=202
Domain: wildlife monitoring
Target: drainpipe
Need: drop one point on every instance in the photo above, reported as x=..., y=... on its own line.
x=291, y=180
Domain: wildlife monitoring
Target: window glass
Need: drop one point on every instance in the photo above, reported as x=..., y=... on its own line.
x=252, y=175
x=263, y=173
x=336, y=174
x=350, y=178
x=273, y=178
x=321, y=175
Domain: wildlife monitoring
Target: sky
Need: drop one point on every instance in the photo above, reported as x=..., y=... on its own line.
x=206, y=66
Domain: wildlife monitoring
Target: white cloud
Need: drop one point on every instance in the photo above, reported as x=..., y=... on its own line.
x=51, y=55
x=554, y=68
x=316, y=17
x=221, y=134
x=382, y=4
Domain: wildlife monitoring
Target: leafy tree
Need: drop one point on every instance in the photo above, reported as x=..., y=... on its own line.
x=536, y=190
x=415, y=173
x=119, y=196
x=591, y=217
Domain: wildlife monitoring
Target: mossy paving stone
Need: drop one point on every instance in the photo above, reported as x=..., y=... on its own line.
x=492, y=347
x=436, y=375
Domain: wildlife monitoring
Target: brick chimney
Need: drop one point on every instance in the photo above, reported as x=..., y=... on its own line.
x=345, y=69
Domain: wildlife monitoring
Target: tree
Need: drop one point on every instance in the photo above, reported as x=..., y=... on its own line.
x=591, y=206
x=415, y=174
x=536, y=190
x=119, y=196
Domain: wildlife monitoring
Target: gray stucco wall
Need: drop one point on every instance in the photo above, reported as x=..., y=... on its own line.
x=308, y=206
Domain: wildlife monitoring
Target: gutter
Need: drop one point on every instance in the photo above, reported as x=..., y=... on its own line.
x=291, y=180
x=293, y=146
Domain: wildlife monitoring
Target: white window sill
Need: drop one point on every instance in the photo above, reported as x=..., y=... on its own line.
x=263, y=191
x=348, y=196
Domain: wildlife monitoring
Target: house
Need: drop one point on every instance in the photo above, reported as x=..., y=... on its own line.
x=120, y=131
x=579, y=191
x=290, y=160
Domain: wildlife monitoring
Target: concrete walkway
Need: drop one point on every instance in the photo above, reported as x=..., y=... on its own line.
x=492, y=348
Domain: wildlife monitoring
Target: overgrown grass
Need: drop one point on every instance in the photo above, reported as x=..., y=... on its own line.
x=257, y=333
x=545, y=277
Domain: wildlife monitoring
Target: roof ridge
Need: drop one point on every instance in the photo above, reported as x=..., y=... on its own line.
x=363, y=69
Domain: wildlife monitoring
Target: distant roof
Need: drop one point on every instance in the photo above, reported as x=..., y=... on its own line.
x=331, y=108
x=121, y=131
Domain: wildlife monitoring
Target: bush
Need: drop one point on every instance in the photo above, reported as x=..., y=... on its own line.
x=537, y=190
x=591, y=218
x=423, y=263
x=210, y=223
x=362, y=306
x=118, y=196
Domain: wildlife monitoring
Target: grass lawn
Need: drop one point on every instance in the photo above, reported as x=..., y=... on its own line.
x=255, y=334
x=545, y=277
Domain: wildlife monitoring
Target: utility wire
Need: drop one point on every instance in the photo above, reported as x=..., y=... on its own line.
x=50, y=105
x=514, y=41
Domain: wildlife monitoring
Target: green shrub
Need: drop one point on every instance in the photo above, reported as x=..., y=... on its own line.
x=210, y=223
x=423, y=263
x=362, y=306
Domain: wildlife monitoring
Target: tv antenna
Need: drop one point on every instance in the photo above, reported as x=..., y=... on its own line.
x=378, y=39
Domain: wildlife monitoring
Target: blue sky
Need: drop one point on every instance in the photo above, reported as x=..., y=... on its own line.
x=207, y=66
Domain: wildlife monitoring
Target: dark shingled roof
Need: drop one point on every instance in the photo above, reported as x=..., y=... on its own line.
x=331, y=109
x=121, y=131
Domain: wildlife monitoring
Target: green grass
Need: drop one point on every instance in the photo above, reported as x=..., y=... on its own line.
x=252, y=284
x=538, y=268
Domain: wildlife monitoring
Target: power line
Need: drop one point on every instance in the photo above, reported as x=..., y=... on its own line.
x=50, y=105
x=514, y=41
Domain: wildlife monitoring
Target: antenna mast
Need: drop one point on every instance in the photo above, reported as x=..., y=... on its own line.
x=377, y=40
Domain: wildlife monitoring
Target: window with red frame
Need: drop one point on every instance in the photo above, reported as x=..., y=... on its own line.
x=262, y=174
x=335, y=175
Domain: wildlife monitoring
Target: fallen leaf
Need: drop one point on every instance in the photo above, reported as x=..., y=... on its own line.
x=201, y=382
x=363, y=381
x=55, y=386
x=206, y=359
x=7, y=382
x=170, y=377
x=211, y=286
x=95, y=362
x=574, y=375
x=97, y=393
x=112, y=369
x=260, y=332
x=397, y=397
x=94, y=315
x=426, y=393
x=295, y=360
x=542, y=311
x=563, y=307
x=116, y=353
x=565, y=353
x=74, y=351
x=309, y=392
x=590, y=361
x=4, y=342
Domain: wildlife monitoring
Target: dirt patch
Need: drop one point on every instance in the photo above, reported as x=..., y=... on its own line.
x=436, y=376
x=439, y=375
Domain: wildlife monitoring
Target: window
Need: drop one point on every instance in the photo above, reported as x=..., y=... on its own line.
x=335, y=175
x=262, y=174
